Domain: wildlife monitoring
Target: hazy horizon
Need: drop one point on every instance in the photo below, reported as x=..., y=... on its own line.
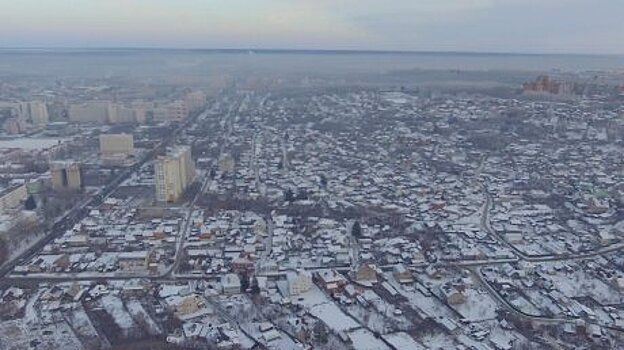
x=158, y=61
x=252, y=50
x=507, y=26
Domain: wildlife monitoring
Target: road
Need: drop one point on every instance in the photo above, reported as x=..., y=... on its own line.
x=80, y=210
x=231, y=320
x=534, y=318
x=171, y=274
x=260, y=186
x=184, y=232
x=123, y=276
x=285, y=164
x=354, y=246
x=494, y=293
x=65, y=222
x=503, y=302
x=485, y=225
x=268, y=246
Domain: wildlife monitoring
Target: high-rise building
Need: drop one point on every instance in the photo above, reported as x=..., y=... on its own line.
x=34, y=113
x=544, y=84
x=178, y=110
x=195, y=100
x=92, y=112
x=173, y=173
x=65, y=176
x=12, y=126
x=116, y=149
x=12, y=198
x=141, y=111
x=116, y=144
x=173, y=111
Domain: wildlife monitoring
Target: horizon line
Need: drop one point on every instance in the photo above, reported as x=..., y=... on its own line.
x=299, y=50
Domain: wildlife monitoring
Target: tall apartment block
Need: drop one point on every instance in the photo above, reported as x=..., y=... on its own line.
x=116, y=144
x=174, y=172
x=65, y=176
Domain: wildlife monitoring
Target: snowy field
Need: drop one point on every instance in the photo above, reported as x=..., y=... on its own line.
x=321, y=307
x=403, y=341
x=31, y=143
x=477, y=307
x=429, y=306
x=333, y=317
x=115, y=308
x=365, y=340
x=17, y=335
x=581, y=284
x=141, y=317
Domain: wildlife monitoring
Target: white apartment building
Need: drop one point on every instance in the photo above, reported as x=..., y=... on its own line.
x=173, y=173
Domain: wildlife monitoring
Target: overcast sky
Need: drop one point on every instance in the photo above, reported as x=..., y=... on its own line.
x=551, y=26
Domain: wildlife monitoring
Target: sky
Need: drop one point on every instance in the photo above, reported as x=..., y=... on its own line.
x=517, y=26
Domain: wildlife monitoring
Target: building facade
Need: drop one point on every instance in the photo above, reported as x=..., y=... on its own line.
x=34, y=113
x=13, y=198
x=97, y=112
x=65, y=176
x=173, y=173
x=299, y=282
x=231, y=284
x=116, y=144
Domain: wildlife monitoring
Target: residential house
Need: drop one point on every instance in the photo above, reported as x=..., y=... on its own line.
x=231, y=284
x=299, y=282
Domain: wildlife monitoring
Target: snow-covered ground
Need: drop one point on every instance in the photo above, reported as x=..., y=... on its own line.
x=115, y=308
x=370, y=318
x=333, y=317
x=478, y=306
x=429, y=306
x=32, y=143
x=403, y=341
x=17, y=335
x=18, y=247
x=321, y=307
x=273, y=339
x=439, y=341
x=580, y=284
x=84, y=328
x=365, y=340
x=142, y=318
